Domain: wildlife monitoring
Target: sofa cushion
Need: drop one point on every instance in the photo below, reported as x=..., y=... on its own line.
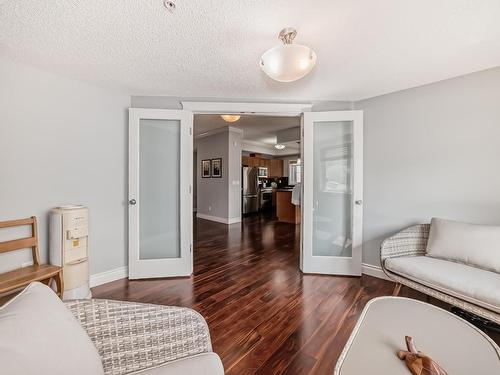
x=471, y=284
x=473, y=244
x=201, y=364
x=39, y=335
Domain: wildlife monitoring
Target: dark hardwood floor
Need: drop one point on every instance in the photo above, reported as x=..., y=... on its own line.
x=264, y=316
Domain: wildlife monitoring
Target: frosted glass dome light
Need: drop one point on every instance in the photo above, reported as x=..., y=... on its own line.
x=230, y=118
x=288, y=62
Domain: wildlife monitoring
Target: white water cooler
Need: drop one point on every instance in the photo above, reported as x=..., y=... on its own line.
x=69, y=248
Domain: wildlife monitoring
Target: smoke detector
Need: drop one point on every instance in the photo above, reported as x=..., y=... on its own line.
x=170, y=5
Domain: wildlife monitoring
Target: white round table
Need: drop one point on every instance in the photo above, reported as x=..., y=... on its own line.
x=455, y=344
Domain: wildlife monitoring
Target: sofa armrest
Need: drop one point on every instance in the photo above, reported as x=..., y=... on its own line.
x=411, y=241
x=135, y=336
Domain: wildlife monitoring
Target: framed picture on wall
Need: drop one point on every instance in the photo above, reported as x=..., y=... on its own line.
x=205, y=168
x=217, y=168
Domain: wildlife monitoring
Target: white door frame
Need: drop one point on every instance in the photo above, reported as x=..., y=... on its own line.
x=168, y=267
x=303, y=109
x=332, y=264
x=262, y=109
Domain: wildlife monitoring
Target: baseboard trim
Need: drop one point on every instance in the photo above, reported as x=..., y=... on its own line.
x=122, y=272
x=108, y=276
x=375, y=271
x=223, y=220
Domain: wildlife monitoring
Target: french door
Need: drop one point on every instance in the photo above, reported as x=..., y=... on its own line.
x=160, y=200
x=332, y=212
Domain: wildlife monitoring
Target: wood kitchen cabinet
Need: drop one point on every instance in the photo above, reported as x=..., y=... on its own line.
x=285, y=210
x=270, y=168
x=274, y=166
x=276, y=169
x=249, y=161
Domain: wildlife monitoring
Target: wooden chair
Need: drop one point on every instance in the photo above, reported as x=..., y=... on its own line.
x=18, y=278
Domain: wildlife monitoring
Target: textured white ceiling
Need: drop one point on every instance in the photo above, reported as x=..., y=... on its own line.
x=211, y=48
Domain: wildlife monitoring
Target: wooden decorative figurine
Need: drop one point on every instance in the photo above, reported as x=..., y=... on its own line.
x=417, y=362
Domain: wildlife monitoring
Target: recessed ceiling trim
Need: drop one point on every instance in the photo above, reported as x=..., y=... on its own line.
x=219, y=130
x=259, y=147
x=261, y=109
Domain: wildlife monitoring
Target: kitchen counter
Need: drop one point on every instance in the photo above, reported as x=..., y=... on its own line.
x=285, y=210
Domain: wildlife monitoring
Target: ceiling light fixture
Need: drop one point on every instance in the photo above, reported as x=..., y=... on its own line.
x=279, y=146
x=288, y=62
x=230, y=118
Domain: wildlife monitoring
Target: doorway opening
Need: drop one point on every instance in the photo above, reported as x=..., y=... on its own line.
x=247, y=181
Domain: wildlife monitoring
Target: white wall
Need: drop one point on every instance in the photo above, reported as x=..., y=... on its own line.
x=195, y=177
x=212, y=193
x=431, y=151
x=61, y=142
x=220, y=197
x=234, y=170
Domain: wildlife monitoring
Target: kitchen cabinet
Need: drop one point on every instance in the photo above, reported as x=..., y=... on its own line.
x=270, y=168
x=249, y=161
x=276, y=169
x=285, y=210
x=274, y=166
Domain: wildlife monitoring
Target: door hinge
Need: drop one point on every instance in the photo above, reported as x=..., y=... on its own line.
x=191, y=248
x=190, y=187
x=190, y=130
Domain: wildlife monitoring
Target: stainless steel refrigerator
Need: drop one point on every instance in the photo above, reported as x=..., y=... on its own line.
x=250, y=189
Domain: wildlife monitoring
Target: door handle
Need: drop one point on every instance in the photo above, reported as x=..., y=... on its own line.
x=132, y=202
x=359, y=202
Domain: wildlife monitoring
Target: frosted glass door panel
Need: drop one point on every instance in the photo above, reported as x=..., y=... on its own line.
x=159, y=189
x=332, y=188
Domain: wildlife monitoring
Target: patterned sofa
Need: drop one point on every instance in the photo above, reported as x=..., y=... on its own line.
x=40, y=335
x=473, y=289
x=132, y=337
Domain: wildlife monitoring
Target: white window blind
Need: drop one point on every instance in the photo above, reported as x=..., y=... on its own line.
x=294, y=175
